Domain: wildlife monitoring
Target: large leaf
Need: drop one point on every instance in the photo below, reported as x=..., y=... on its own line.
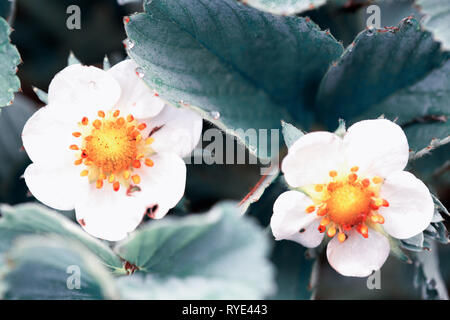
x=49, y=268
x=401, y=73
x=240, y=68
x=437, y=19
x=9, y=59
x=30, y=219
x=216, y=255
x=285, y=7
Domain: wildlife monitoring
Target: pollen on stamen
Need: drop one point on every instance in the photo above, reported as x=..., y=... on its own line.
x=84, y=121
x=97, y=123
x=126, y=174
x=322, y=211
x=325, y=221
x=331, y=232
x=149, y=162
x=385, y=203
x=352, y=177
x=364, y=231
x=136, y=164
x=333, y=173
x=342, y=237
x=101, y=114
x=318, y=188
x=136, y=179
x=365, y=183
x=142, y=126
x=74, y=147
x=116, y=186
x=116, y=113
x=111, y=178
x=120, y=121
x=76, y=134
x=310, y=209
x=321, y=229
x=99, y=184
x=84, y=173
x=377, y=180
x=354, y=169
x=130, y=118
x=78, y=162
x=149, y=140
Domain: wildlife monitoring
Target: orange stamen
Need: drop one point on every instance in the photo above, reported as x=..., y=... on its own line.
x=333, y=173
x=142, y=126
x=310, y=209
x=136, y=179
x=116, y=186
x=99, y=184
x=76, y=134
x=342, y=237
x=149, y=162
x=74, y=147
x=101, y=114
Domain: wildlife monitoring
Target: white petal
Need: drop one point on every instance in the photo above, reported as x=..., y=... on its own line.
x=58, y=188
x=82, y=90
x=311, y=158
x=179, y=130
x=136, y=98
x=358, y=256
x=377, y=147
x=410, y=208
x=163, y=184
x=291, y=222
x=107, y=214
x=46, y=139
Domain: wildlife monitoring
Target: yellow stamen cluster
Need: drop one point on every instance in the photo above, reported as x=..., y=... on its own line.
x=111, y=148
x=347, y=202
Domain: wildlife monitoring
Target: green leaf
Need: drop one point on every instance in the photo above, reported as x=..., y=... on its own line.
x=215, y=253
x=437, y=19
x=46, y=267
x=13, y=158
x=400, y=72
x=9, y=59
x=238, y=67
x=30, y=219
x=290, y=133
x=285, y=7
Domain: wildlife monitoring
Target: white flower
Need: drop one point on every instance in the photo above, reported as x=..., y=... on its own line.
x=108, y=147
x=355, y=188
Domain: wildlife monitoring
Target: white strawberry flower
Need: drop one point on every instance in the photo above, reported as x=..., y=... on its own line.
x=108, y=147
x=354, y=190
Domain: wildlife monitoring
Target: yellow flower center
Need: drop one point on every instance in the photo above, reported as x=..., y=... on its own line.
x=111, y=148
x=347, y=202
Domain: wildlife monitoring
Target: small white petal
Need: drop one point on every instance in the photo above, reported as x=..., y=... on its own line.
x=136, y=98
x=82, y=90
x=411, y=206
x=358, y=256
x=163, y=184
x=179, y=130
x=291, y=222
x=377, y=147
x=56, y=187
x=311, y=158
x=107, y=214
x=46, y=139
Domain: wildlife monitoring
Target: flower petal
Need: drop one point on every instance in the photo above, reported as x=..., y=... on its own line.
x=79, y=90
x=358, y=256
x=411, y=207
x=56, y=187
x=107, y=214
x=377, y=147
x=179, y=130
x=311, y=158
x=163, y=184
x=46, y=139
x=136, y=97
x=291, y=222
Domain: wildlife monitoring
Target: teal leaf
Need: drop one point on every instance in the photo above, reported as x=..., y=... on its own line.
x=48, y=268
x=437, y=19
x=9, y=59
x=290, y=133
x=72, y=59
x=285, y=7
x=238, y=67
x=373, y=78
x=7, y=9
x=106, y=63
x=215, y=253
x=32, y=219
